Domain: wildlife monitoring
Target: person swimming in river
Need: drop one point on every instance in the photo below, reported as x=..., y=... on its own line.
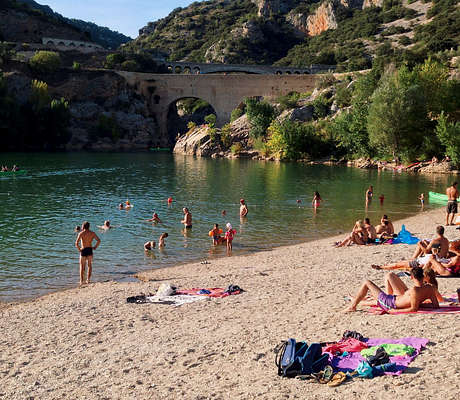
x=106, y=226
x=155, y=218
x=128, y=204
x=316, y=200
x=161, y=240
x=150, y=245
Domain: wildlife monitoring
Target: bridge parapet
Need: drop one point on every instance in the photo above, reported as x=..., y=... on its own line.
x=181, y=67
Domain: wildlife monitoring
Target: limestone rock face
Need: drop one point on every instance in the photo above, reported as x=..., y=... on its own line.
x=269, y=7
x=249, y=30
x=94, y=96
x=322, y=20
x=219, y=52
x=303, y=114
x=370, y=3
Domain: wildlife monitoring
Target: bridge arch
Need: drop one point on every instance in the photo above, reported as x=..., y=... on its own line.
x=185, y=109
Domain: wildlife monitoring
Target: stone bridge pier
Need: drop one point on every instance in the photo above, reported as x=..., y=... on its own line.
x=223, y=92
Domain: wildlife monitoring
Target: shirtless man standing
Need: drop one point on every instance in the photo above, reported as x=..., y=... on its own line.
x=86, y=238
x=451, y=209
x=408, y=301
x=243, y=208
x=187, y=221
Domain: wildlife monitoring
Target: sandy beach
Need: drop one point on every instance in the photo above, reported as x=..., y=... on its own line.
x=89, y=343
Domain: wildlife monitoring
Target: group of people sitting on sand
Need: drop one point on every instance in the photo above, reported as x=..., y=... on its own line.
x=365, y=233
x=14, y=168
x=432, y=257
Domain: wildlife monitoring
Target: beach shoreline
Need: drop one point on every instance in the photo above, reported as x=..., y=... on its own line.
x=140, y=275
x=90, y=343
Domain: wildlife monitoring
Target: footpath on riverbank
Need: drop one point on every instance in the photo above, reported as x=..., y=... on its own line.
x=90, y=343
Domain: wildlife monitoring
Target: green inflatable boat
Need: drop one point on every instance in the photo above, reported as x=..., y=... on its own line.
x=438, y=197
x=6, y=173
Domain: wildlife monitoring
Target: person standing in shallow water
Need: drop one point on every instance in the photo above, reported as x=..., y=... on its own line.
x=243, y=208
x=86, y=237
x=187, y=221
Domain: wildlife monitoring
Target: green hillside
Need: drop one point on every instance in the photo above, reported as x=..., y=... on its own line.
x=234, y=32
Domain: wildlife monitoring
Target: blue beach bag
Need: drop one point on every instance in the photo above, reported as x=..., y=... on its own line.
x=298, y=358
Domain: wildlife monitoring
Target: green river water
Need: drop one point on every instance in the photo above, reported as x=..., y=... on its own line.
x=41, y=208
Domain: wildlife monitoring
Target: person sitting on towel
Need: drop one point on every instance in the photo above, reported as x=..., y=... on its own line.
x=409, y=300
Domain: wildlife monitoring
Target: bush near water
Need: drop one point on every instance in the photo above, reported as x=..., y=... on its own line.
x=388, y=113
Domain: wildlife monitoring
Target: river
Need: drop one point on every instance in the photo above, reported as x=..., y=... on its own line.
x=41, y=208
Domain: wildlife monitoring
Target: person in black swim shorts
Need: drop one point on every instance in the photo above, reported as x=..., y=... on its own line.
x=85, y=238
x=451, y=209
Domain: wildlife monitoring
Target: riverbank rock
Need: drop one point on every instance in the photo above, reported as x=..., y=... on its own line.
x=443, y=167
x=196, y=142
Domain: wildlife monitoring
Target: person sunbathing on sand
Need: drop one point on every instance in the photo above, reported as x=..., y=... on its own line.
x=450, y=268
x=405, y=300
x=424, y=246
x=372, y=234
x=418, y=262
x=358, y=235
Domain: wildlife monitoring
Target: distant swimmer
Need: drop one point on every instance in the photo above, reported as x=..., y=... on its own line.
x=155, y=218
x=451, y=209
x=382, y=199
x=77, y=229
x=224, y=213
x=316, y=200
x=161, y=240
x=243, y=208
x=86, y=237
x=128, y=204
x=106, y=226
x=170, y=200
x=121, y=206
x=148, y=246
x=187, y=221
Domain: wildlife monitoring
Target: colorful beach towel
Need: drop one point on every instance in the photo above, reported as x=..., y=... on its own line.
x=174, y=300
x=209, y=292
x=443, y=309
x=350, y=361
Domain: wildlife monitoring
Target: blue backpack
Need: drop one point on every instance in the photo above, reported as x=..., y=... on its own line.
x=294, y=358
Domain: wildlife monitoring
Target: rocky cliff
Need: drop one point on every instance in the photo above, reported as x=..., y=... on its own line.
x=23, y=25
x=106, y=114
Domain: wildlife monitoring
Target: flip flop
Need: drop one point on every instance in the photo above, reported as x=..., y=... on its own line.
x=325, y=375
x=375, y=266
x=337, y=379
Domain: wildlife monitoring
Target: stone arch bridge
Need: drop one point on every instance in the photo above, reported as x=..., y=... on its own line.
x=223, y=92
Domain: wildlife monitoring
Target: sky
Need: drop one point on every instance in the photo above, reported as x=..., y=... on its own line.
x=124, y=16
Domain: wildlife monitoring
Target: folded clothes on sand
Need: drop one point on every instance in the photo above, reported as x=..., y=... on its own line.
x=350, y=361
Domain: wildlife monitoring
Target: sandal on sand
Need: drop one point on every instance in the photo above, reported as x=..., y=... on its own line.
x=337, y=379
x=325, y=375
x=375, y=266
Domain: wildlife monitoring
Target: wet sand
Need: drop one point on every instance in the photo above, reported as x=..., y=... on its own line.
x=89, y=343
